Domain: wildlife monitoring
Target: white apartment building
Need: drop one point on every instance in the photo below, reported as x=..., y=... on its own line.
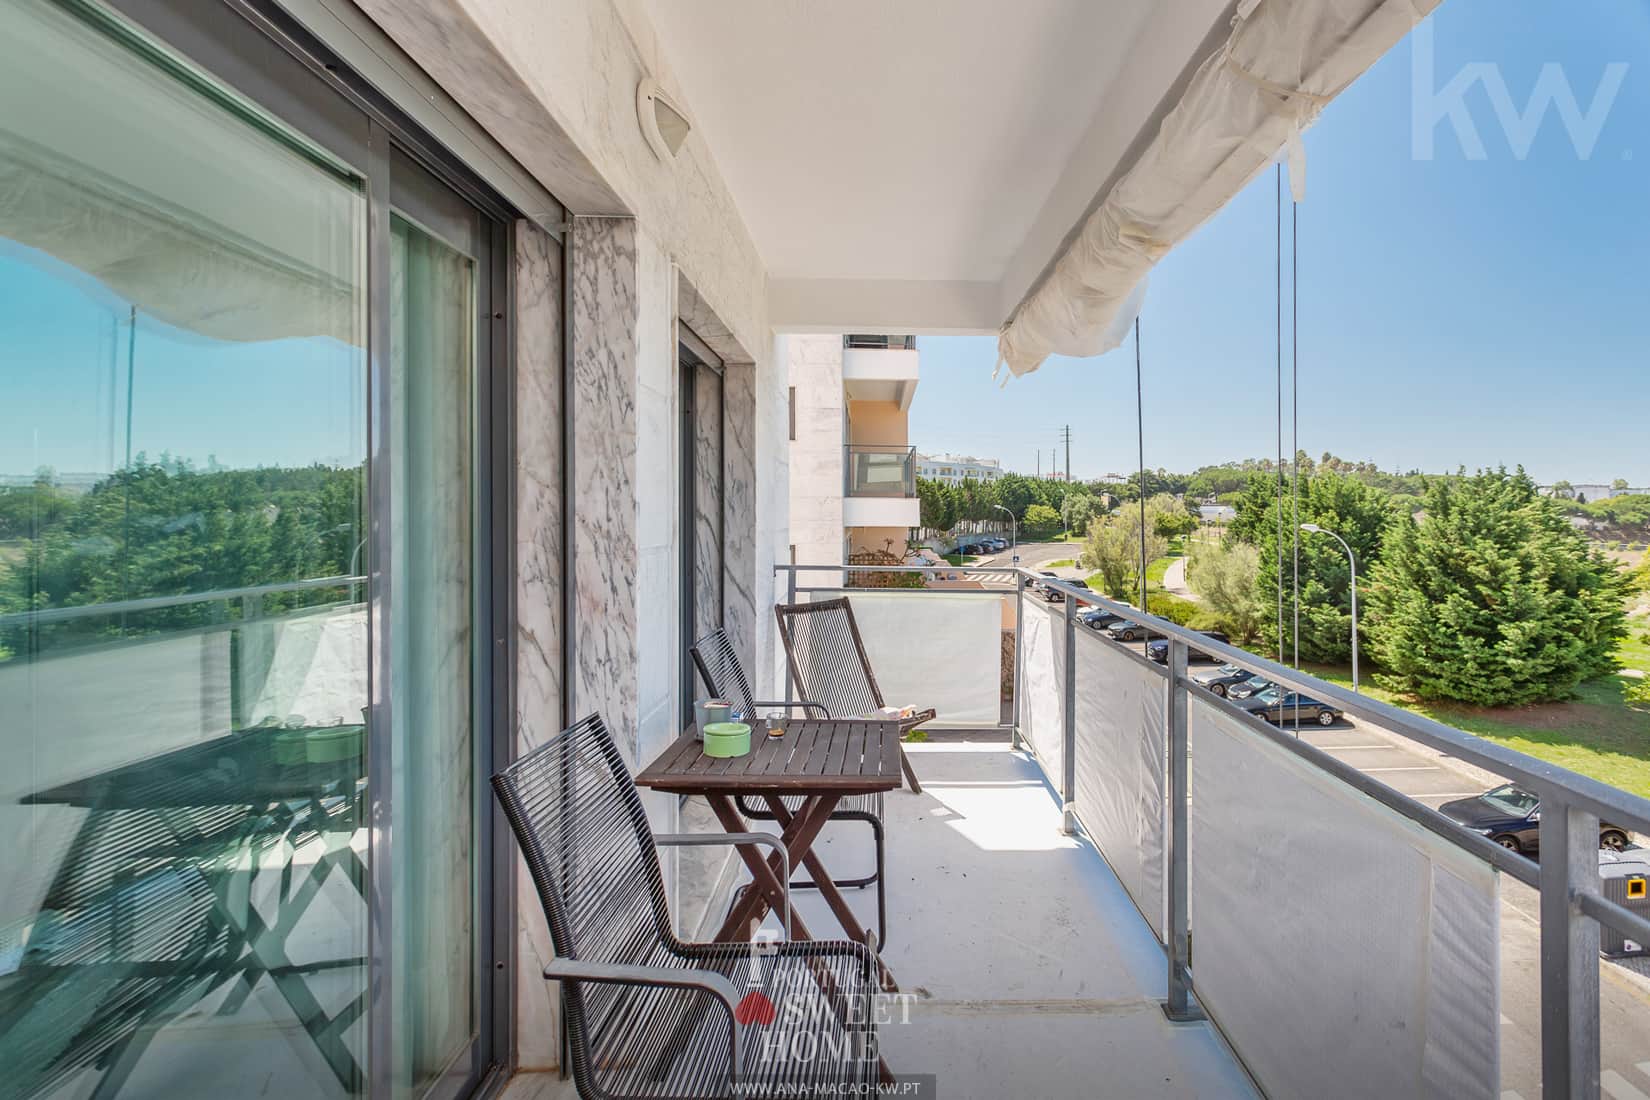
x=853, y=472
x=954, y=469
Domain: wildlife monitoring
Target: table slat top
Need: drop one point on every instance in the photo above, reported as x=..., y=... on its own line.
x=837, y=755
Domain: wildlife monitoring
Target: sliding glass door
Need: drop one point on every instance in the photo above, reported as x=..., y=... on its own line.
x=248, y=575
x=439, y=269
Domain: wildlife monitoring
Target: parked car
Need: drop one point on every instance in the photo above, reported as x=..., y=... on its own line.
x=1222, y=679
x=1249, y=688
x=1098, y=618
x=1511, y=816
x=1279, y=707
x=969, y=548
x=1127, y=630
x=1042, y=576
x=996, y=545
x=1159, y=650
x=1054, y=595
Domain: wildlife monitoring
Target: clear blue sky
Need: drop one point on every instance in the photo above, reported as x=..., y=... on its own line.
x=1452, y=311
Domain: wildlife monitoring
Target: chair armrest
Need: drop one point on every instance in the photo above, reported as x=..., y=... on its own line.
x=807, y=706
x=695, y=840
x=707, y=981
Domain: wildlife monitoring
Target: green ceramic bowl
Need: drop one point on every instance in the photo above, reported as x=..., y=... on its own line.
x=727, y=739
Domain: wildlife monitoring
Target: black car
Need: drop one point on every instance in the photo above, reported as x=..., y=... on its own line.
x=1223, y=679
x=1126, y=630
x=1098, y=618
x=1278, y=706
x=1251, y=687
x=1054, y=595
x=1511, y=816
x=1159, y=650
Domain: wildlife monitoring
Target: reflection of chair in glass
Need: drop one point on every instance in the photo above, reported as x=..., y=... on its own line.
x=129, y=935
x=152, y=908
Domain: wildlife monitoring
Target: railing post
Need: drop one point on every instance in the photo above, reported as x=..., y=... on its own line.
x=1068, y=755
x=1569, y=952
x=1179, y=1006
x=1019, y=648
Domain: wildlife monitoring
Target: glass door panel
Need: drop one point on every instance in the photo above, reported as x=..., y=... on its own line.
x=183, y=623
x=434, y=346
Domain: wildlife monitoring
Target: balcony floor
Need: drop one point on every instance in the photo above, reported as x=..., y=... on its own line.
x=1033, y=973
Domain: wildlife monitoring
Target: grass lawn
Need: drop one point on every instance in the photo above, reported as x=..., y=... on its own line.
x=1604, y=732
x=961, y=559
x=1063, y=563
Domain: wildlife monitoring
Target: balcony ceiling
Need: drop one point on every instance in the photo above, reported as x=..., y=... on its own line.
x=917, y=164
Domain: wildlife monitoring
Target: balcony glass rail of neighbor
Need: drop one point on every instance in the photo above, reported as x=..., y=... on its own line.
x=872, y=471
x=1329, y=906
x=890, y=343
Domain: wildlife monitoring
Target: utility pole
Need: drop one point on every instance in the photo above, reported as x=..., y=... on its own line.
x=1066, y=434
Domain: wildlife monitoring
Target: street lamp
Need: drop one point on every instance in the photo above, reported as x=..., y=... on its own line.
x=1013, y=535
x=1352, y=563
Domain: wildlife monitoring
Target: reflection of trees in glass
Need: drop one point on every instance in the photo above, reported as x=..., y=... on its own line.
x=167, y=529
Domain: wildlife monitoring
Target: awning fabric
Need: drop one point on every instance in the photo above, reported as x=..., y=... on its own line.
x=1284, y=60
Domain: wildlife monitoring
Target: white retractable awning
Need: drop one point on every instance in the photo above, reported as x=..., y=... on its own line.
x=1284, y=60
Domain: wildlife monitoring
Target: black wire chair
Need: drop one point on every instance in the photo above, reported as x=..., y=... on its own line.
x=828, y=664
x=649, y=1015
x=724, y=678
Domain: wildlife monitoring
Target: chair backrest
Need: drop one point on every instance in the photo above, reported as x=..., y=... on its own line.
x=575, y=812
x=721, y=673
x=827, y=656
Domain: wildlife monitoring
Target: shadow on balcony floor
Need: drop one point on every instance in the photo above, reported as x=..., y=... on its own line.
x=1031, y=972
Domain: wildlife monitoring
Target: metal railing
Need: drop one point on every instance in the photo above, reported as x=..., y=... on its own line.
x=1572, y=905
x=890, y=343
x=250, y=597
x=872, y=471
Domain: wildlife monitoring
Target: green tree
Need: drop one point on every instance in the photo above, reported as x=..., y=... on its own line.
x=1619, y=485
x=1224, y=576
x=1493, y=598
x=1337, y=502
x=1041, y=521
x=1078, y=510
x=936, y=510
x=1113, y=549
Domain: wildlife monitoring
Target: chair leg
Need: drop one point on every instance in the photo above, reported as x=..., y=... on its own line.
x=910, y=776
x=850, y=883
x=882, y=888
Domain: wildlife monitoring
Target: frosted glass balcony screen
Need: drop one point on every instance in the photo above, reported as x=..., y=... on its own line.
x=929, y=649
x=1121, y=749
x=937, y=650
x=1042, y=686
x=1343, y=950
x=182, y=413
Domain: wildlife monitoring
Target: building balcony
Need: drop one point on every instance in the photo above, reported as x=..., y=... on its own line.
x=879, y=487
x=881, y=368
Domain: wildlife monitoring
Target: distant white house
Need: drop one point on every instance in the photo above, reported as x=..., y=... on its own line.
x=1216, y=513
x=953, y=469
